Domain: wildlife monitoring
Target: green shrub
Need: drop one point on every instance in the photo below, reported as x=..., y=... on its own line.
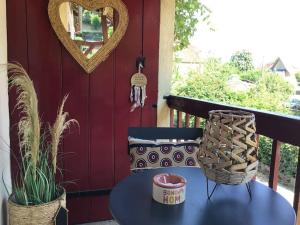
x=289, y=156
x=78, y=38
x=95, y=21
x=242, y=60
x=265, y=150
x=110, y=31
x=251, y=75
x=86, y=17
x=298, y=76
x=269, y=93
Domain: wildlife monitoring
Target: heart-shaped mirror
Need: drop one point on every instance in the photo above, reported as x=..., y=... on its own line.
x=89, y=29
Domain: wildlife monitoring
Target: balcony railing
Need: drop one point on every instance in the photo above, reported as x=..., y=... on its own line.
x=280, y=128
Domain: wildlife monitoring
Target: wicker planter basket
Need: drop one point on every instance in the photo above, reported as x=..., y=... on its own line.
x=228, y=152
x=43, y=214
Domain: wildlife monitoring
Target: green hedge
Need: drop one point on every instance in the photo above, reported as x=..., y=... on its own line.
x=298, y=76
x=95, y=21
x=289, y=156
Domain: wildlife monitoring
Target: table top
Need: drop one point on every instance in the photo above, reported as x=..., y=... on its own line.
x=131, y=203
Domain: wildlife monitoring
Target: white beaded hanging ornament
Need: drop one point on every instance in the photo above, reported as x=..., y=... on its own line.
x=138, y=89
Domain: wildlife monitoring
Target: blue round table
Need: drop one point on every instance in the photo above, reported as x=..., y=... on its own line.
x=131, y=203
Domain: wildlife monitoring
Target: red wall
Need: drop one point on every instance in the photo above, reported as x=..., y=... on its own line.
x=95, y=155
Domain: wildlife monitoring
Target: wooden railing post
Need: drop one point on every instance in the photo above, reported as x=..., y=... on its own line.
x=296, y=191
x=171, y=117
x=275, y=162
x=197, y=122
x=187, y=120
x=257, y=140
x=179, y=118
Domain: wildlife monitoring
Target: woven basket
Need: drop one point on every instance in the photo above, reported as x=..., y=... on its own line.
x=228, y=151
x=35, y=215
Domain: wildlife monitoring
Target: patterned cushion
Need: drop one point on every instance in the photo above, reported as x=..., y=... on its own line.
x=146, y=154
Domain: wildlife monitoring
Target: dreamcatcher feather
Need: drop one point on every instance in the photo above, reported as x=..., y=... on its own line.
x=138, y=90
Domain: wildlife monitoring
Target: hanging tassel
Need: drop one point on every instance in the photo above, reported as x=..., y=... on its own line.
x=138, y=90
x=138, y=97
x=132, y=94
x=143, y=94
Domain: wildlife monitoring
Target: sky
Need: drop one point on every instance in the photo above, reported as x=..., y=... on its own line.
x=267, y=28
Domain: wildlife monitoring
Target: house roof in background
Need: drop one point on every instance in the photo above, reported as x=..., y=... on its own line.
x=285, y=62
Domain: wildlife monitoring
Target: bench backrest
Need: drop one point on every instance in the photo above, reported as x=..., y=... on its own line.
x=153, y=133
x=164, y=153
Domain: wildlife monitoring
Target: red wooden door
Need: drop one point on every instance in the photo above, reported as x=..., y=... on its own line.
x=94, y=155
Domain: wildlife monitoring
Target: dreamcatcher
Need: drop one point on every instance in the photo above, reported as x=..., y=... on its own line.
x=138, y=89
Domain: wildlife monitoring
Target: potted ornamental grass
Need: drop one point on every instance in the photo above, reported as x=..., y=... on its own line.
x=36, y=195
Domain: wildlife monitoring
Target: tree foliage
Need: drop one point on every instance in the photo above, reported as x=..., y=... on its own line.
x=86, y=18
x=187, y=15
x=269, y=92
x=242, y=60
x=95, y=21
x=297, y=75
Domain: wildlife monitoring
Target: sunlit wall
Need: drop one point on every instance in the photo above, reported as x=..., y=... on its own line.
x=167, y=20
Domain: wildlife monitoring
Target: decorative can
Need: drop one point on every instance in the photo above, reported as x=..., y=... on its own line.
x=169, y=189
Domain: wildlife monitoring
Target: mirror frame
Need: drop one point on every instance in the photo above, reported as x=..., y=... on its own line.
x=89, y=64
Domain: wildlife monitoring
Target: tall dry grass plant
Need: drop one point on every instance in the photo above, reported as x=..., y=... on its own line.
x=29, y=125
x=36, y=183
x=61, y=124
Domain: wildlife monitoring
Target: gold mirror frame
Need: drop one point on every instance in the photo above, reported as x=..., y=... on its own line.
x=89, y=64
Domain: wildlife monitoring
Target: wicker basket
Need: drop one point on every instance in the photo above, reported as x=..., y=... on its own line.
x=35, y=215
x=228, y=152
